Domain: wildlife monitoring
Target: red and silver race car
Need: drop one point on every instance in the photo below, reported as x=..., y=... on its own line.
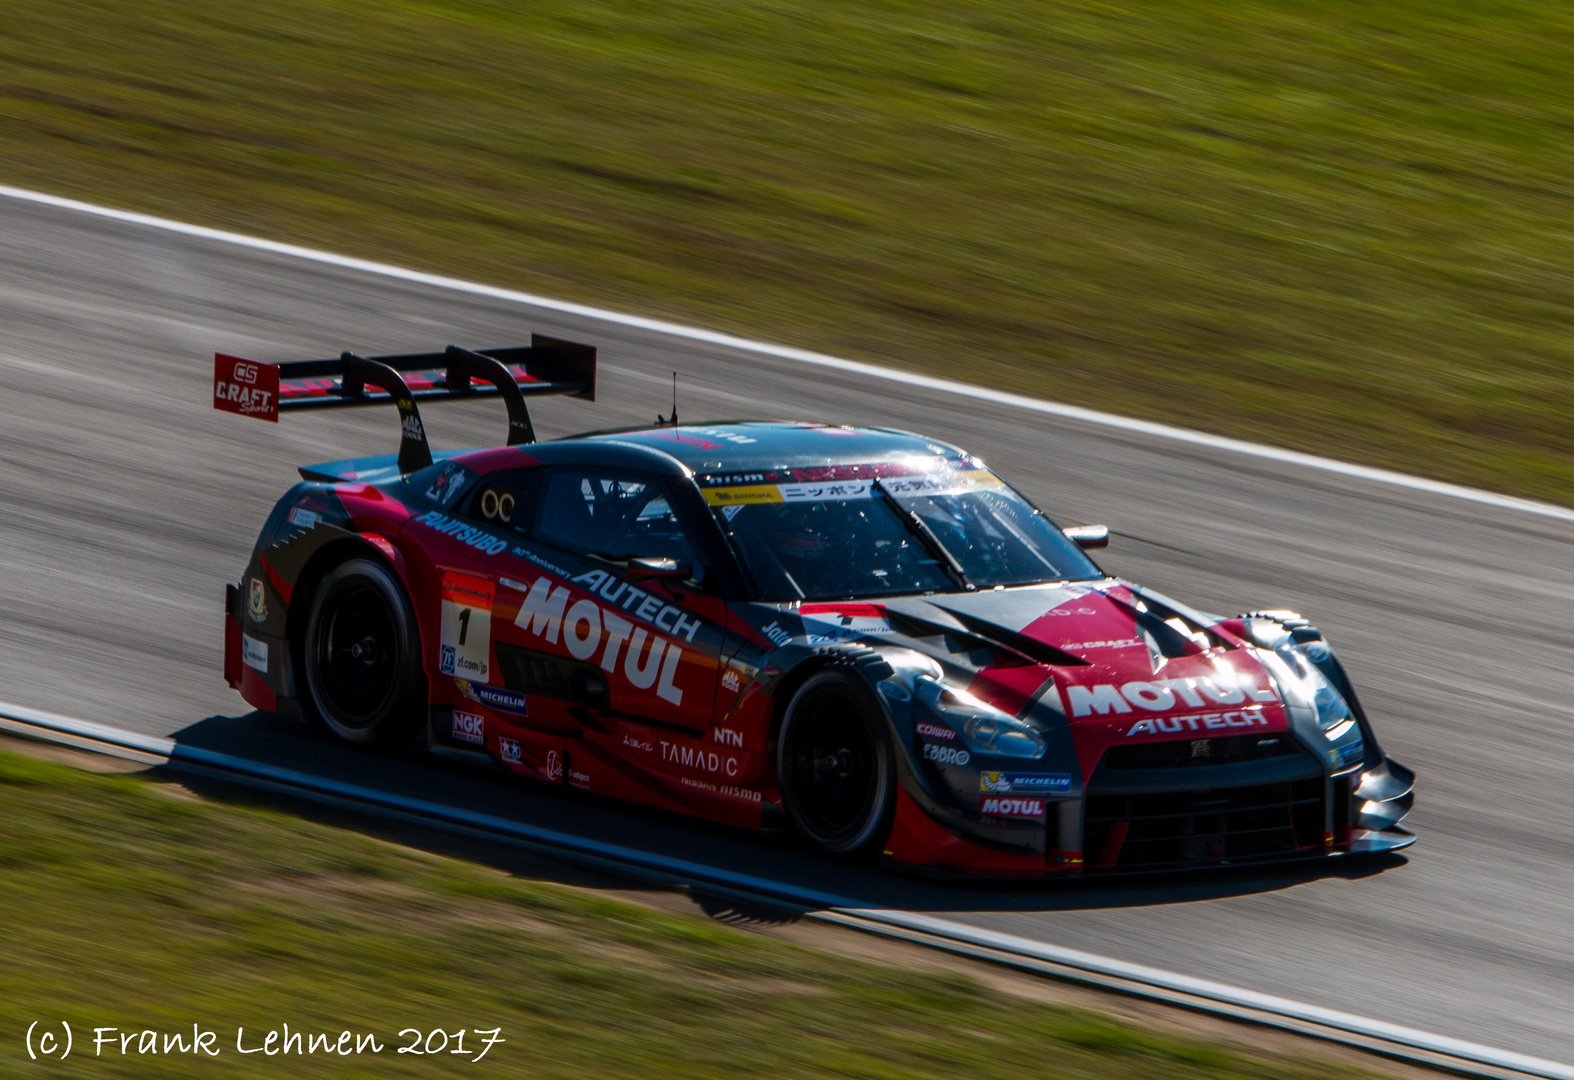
x=859, y=634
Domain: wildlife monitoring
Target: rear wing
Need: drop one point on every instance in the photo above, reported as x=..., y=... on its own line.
x=546, y=366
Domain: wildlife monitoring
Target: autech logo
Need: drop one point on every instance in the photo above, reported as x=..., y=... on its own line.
x=1159, y=695
x=1251, y=716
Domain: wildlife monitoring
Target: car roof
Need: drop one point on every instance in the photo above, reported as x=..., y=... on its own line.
x=778, y=444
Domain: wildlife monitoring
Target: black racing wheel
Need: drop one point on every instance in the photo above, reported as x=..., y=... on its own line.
x=361, y=654
x=834, y=760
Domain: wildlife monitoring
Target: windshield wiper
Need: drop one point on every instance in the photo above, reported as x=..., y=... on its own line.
x=926, y=537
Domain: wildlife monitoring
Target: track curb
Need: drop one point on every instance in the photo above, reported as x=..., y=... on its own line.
x=1202, y=995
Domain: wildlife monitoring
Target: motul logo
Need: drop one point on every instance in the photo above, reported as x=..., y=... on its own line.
x=1160, y=695
x=1022, y=808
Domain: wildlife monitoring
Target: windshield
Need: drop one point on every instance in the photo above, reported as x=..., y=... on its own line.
x=857, y=538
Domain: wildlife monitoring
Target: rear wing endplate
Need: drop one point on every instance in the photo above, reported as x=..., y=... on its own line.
x=546, y=366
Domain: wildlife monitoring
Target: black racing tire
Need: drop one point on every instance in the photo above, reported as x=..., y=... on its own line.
x=836, y=765
x=361, y=654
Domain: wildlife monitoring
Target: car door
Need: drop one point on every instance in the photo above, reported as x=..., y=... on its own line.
x=585, y=625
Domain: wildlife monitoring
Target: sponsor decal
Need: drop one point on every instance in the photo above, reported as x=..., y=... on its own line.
x=410, y=426
x=946, y=755
x=466, y=648
x=257, y=600
x=935, y=731
x=730, y=681
x=841, y=622
x=303, y=518
x=698, y=758
x=810, y=488
x=776, y=634
x=578, y=779
x=1015, y=808
x=1000, y=783
x=479, y=539
x=588, y=628
x=254, y=653
x=724, y=790
x=1350, y=753
x=470, y=727
x=494, y=697
x=554, y=769
x=1160, y=695
x=725, y=436
x=245, y=387
x=663, y=616
x=1120, y=643
x=727, y=736
x=637, y=744
x=895, y=691
x=448, y=482
x=508, y=750
x=1251, y=716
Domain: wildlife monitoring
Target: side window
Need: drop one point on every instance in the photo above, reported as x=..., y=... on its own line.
x=506, y=499
x=610, y=513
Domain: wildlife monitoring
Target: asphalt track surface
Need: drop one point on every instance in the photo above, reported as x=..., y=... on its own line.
x=126, y=503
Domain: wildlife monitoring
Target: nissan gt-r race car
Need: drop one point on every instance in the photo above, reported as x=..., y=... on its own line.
x=859, y=634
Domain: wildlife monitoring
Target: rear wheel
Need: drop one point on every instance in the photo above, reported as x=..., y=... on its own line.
x=360, y=654
x=834, y=761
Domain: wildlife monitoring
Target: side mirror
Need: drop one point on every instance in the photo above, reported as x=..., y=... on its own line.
x=1088, y=536
x=658, y=568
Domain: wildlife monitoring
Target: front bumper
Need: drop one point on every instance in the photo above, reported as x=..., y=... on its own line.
x=1241, y=815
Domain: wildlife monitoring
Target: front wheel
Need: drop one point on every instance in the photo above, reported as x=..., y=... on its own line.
x=361, y=654
x=834, y=761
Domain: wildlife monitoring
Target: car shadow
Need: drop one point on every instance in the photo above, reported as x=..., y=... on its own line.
x=269, y=740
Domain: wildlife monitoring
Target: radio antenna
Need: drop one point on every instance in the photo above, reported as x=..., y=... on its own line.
x=673, y=419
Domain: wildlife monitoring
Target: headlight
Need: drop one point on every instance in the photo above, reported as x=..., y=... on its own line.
x=985, y=729
x=1303, y=686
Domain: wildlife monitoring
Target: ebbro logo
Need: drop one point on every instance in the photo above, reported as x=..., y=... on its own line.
x=257, y=601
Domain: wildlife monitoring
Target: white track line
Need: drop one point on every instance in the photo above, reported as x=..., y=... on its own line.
x=805, y=356
x=1392, y=1038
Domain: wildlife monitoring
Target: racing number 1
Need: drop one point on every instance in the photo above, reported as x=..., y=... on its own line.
x=466, y=650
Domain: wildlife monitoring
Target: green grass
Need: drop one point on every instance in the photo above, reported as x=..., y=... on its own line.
x=1338, y=226
x=123, y=906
